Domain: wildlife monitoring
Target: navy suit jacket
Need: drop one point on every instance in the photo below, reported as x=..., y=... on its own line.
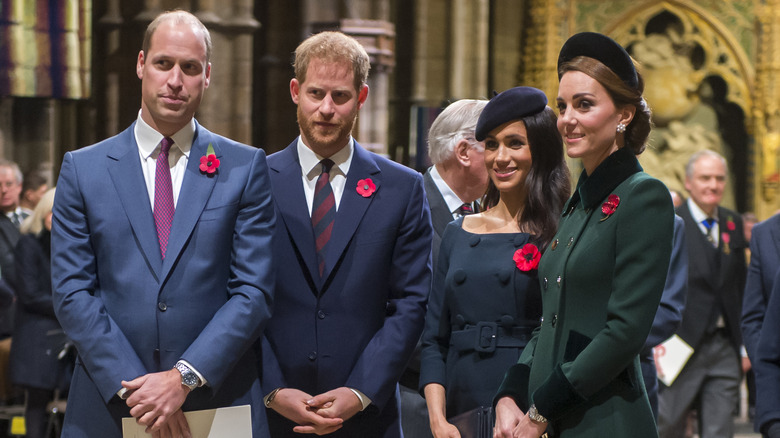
x=764, y=263
x=766, y=362
x=129, y=312
x=358, y=324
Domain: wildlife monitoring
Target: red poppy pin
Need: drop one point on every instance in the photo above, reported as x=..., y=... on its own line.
x=730, y=225
x=209, y=163
x=609, y=206
x=527, y=258
x=366, y=187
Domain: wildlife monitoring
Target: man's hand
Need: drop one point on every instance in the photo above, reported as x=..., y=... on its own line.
x=155, y=398
x=175, y=427
x=337, y=403
x=292, y=404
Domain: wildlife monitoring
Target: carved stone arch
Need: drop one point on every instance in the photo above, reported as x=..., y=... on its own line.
x=724, y=56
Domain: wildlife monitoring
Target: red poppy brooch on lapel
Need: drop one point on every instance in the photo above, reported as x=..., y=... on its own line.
x=209, y=163
x=527, y=258
x=726, y=237
x=609, y=206
x=366, y=187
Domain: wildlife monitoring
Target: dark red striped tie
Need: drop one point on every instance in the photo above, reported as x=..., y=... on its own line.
x=323, y=212
x=163, y=196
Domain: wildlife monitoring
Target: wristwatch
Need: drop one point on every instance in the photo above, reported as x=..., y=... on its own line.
x=535, y=416
x=188, y=377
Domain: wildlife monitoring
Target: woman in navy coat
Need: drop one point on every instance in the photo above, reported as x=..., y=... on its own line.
x=485, y=301
x=604, y=273
x=38, y=337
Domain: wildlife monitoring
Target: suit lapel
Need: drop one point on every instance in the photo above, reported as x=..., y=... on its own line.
x=124, y=166
x=352, y=206
x=440, y=213
x=291, y=202
x=699, y=246
x=195, y=191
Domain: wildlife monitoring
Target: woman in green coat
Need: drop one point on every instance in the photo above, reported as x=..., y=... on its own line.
x=603, y=274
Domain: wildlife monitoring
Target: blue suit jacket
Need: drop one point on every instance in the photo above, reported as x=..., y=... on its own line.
x=129, y=312
x=764, y=263
x=766, y=362
x=357, y=326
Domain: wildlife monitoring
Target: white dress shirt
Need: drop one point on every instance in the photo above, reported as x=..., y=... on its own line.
x=699, y=216
x=450, y=198
x=149, y=148
x=311, y=170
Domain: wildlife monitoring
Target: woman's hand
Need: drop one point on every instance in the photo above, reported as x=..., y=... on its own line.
x=528, y=428
x=444, y=429
x=508, y=416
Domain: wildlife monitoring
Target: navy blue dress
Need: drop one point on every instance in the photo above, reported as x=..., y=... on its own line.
x=481, y=313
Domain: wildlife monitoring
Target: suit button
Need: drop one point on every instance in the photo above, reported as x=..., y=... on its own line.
x=313, y=355
x=162, y=306
x=554, y=244
x=558, y=280
x=554, y=320
x=545, y=283
x=321, y=314
x=571, y=240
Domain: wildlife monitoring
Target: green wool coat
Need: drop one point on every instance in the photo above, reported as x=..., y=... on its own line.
x=601, y=278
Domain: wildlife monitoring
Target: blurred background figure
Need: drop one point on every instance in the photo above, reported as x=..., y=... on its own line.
x=35, y=362
x=34, y=185
x=486, y=300
x=10, y=188
x=677, y=198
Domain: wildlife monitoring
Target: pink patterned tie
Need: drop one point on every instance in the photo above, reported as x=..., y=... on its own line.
x=163, y=196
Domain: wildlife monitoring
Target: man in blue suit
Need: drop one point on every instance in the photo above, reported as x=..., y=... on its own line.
x=161, y=265
x=355, y=234
x=763, y=267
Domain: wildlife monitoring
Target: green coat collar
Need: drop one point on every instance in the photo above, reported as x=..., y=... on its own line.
x=608, y=175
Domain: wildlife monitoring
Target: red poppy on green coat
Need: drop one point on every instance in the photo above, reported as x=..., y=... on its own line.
x=527, y=258
x=610, y=205
x=366, y=187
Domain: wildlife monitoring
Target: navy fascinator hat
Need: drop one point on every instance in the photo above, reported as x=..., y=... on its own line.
x=602, y=48
x=512, y=104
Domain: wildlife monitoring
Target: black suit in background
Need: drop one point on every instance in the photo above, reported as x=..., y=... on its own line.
x=38, y=336
x=716, y=280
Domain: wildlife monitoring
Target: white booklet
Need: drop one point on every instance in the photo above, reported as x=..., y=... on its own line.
x=670, y=358
x=234, y=422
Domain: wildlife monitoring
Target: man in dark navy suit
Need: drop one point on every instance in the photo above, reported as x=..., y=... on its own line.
x=711, y=319
x=355, y=234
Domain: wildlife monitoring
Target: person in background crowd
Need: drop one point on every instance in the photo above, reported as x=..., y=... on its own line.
x=10, y=190
x=603, y=276
x=33, y=188
x=485, y=301
x=10, y=187
x=355, y=234
x=669, y=315
x=764, y=262
x=452, y=186
x=677, y=198
x=766, y=365
x=709, y=381
x=35, y=364
x=162, y=269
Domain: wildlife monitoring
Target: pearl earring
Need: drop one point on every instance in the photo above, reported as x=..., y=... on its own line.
x=621, y=128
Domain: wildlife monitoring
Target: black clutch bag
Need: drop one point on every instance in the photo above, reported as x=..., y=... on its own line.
x=476, y=423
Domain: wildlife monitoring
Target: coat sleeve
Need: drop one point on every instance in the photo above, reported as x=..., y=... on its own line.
x=754, y=299
x=103, y=347
x=669, y=315
x=436, y=334
x=382, y=362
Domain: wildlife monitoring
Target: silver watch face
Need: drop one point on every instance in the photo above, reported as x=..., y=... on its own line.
x=189, y=379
